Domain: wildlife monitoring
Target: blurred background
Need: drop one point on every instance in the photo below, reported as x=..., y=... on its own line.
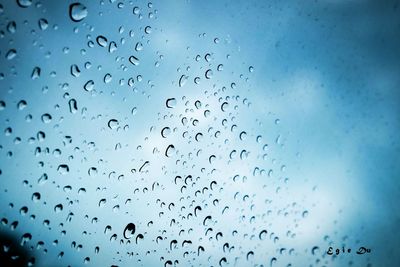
x=199, y=133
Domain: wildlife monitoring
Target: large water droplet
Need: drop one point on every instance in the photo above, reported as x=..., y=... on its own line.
x=24, y=3
x=209, y=74
x=75, y=71
x=129, y=230
x=46, y=118
x=73, y=106
x=77, y=12
x=43, y=24
x=35, y=73
x=63, y=169
x=182, y=80
x=134, y=60
x=170, y=103
x=12, y=53
x=170, y=150
x=89, y=85
x=101, y=41
x=165, y=132
x=22, y=104
x=113, y=123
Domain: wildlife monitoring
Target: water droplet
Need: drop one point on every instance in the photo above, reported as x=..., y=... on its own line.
x=22, y=105
x=113, y=123
x=12, y=27
x=242, y=135
x=58, y=208
x=46, y=118
x=89, y=85
x=182, y=80
x=198, y=137
x=73, y=106
x=35, y=73
x=77, y=12
x=112, y=47
x=147, y=29
x=170, y=103
x=43, y=24
x=305, y=214
x=107, y=78
x=23, y=210
x=101, y=41
x=134, y=60
x=2, y=105
x=12, y=53
x=92, y=171
x=136, y=10
x=36, y=197
x=139, y=46
x=315, y=250
x=197, y=104
x=224, y=106
x=25, y=238
x=75, y=71
x=165, y=132
x=129, y=230
x=63, y=169
x=24, y=3
x=209, y=74
x=170, y=150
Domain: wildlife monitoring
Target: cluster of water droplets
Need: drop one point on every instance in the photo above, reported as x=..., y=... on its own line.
x=104, y=164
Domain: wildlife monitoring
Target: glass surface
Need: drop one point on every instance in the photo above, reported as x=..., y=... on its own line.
x=199, y=133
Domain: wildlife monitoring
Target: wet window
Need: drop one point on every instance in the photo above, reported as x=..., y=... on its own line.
x=199, y=133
